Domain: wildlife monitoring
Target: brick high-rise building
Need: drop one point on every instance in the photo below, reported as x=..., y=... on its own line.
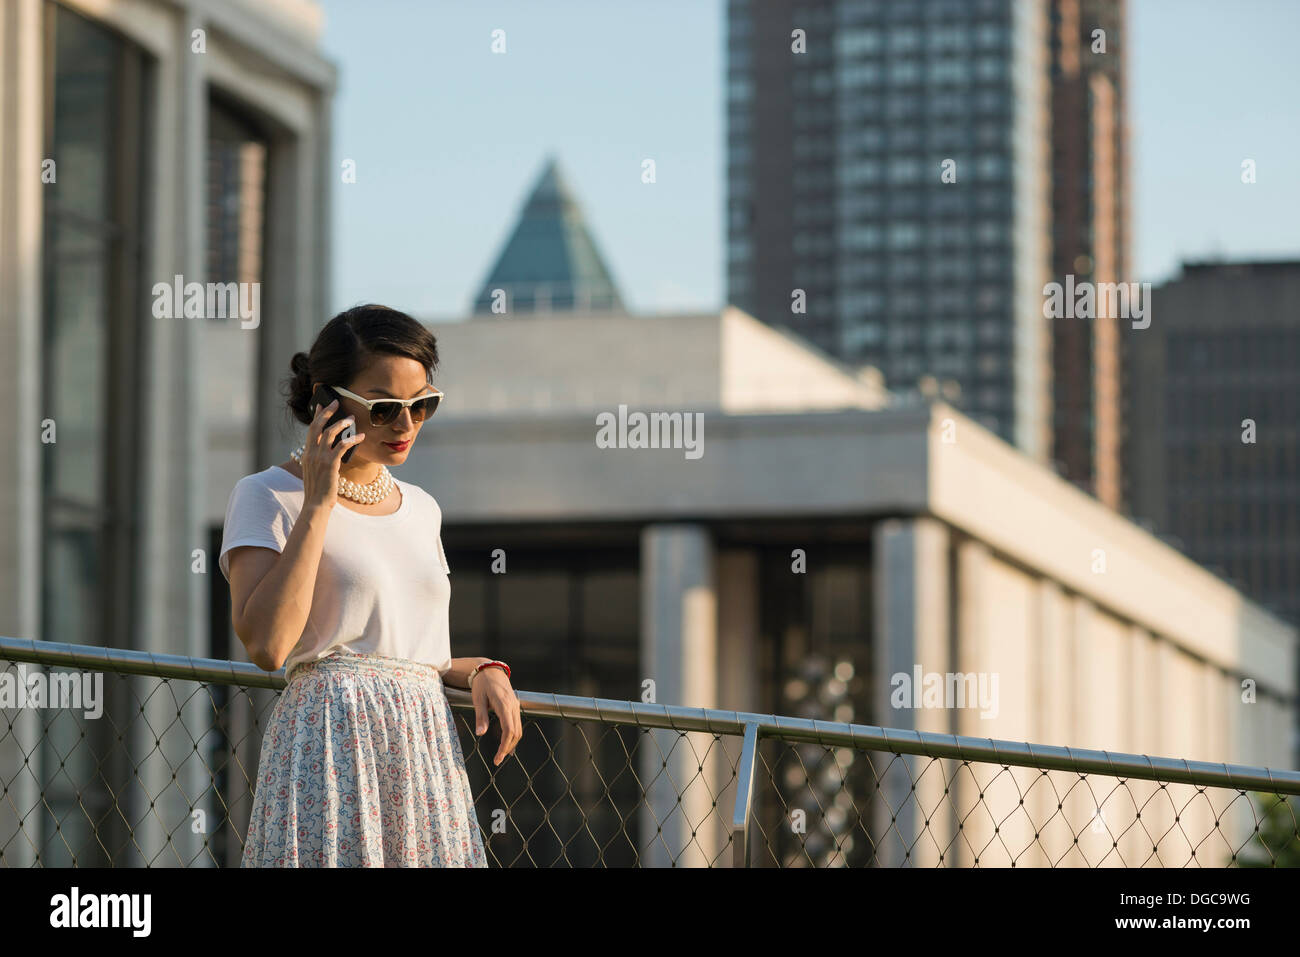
x=1090, y=235
x=916, y=173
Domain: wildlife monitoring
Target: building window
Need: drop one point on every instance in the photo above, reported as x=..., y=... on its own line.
x=904, y=170
x=904, y=235
x=868, y=139
x=909, y=304
x=905, y=40
x=948, y=38
x=740, y=90
x=739, y=152
x=859, y=74
x=949, y=71
x=856, y=172
x=855, y=41
x=903, y=72
x=857, y=304
x=990, y=167
x=739, y=250
x=904, y=268
x=990, y=36
x=947, y=103
x=739, y=218
x=990, y=69
x=992, y=101
x=903, y=106
x=238, y=154
x=862, y=237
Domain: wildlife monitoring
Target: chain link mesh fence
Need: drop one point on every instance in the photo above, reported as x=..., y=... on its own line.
x=158, y=770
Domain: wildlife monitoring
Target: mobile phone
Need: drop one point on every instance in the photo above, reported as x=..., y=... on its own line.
x=324, y=395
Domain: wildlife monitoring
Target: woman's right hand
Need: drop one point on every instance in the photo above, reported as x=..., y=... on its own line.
x=321, y=459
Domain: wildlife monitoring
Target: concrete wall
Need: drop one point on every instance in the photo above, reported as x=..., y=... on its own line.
x=1068, y=672
x=757, y=466
x=981, y=486
x=766, y=370
x=565, y=362
x=581, y=362
x=21, y=209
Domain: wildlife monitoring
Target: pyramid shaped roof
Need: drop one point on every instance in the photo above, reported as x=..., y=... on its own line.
x=550, y=263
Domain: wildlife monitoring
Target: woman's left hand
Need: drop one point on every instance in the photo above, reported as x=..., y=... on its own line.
x=492, y=690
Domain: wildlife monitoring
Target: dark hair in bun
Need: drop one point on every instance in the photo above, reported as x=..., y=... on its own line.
x=348, y=343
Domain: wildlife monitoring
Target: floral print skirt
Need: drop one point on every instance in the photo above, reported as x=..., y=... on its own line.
x=361, y=766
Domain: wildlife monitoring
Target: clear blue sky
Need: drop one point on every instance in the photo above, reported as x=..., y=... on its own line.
x=448, y=138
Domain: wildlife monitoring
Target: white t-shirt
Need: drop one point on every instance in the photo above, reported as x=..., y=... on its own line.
x=381, y=586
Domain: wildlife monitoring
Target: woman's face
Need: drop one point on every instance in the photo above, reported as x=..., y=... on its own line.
x=386, y=377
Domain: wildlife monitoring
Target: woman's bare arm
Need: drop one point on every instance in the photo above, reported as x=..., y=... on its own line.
x=458, y=674
x=270, y=592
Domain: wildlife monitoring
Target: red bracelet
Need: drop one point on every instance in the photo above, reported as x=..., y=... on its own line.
x=487, y=664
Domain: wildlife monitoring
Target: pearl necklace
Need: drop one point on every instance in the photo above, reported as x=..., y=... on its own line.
x=372, y=493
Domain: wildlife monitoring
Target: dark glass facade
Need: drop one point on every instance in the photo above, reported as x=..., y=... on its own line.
x=836, y=161
x=815, y=653
x=568, y=622
x=1213, y=448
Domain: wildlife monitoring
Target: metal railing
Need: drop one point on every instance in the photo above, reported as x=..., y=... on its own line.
x=164, y=776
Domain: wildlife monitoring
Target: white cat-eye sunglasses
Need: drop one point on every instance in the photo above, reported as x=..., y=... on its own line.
x=384, y=411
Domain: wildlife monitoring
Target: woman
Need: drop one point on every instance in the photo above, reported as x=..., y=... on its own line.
x=337, y=572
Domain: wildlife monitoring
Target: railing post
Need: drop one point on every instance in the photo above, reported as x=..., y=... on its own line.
x=744, y=796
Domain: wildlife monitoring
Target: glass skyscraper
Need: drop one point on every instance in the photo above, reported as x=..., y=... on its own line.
x=890, y=179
